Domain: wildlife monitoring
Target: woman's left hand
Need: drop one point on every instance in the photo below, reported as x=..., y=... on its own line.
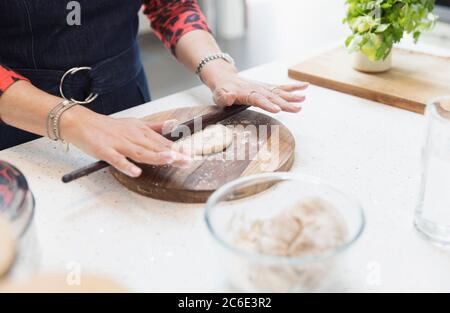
x=229, y=87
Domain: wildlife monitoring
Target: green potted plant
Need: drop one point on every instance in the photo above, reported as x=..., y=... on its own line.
x=377, y=25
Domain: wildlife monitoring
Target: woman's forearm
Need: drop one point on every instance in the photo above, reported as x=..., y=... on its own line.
x=196, y=45
x=227, y=86
x=26, y=107
x=115, y=141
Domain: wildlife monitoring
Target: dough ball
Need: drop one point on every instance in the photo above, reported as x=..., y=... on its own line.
x=212, y=139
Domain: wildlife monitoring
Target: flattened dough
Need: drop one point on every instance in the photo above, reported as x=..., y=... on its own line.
x=212, y=139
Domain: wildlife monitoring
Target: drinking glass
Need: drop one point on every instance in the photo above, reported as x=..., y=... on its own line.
x=432, y=216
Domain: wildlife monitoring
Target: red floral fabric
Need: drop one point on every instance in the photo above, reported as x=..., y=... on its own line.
x=170, y=20
x=7, y=78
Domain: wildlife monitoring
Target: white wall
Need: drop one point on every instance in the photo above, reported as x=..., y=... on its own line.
x=284, y=29
x=144, y=24
x=298, y=23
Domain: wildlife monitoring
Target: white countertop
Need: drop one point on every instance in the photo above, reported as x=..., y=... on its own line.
x=368, y=149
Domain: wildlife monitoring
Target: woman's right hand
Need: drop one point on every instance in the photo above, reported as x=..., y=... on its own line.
x=120, y=140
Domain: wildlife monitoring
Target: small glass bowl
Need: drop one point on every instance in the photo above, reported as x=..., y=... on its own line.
x=248, y=270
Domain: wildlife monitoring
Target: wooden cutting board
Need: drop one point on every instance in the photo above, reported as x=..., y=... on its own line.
x=415, y=79
x=257, y=153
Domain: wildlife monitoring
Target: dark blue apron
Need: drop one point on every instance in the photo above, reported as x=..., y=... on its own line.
x=37, y=42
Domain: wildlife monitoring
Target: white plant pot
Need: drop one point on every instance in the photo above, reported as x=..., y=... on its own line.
x=362, y=63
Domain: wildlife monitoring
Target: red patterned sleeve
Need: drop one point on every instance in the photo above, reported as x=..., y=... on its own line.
x=171, y=19
x=7, y=78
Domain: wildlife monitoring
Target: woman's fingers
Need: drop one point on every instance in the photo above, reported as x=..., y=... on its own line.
x=120, y=162
x=284, y=96
x=294, y=87
x=289, y=96
x=149, y=147
x=269, y=98
x=149, y=151
x=223, y=97
x=118, y=159
x=289, y=102
x=261, y=101
x=281, y=102
x=126, y=142
x=142, y=153
x=163, y=127
x=155, y=141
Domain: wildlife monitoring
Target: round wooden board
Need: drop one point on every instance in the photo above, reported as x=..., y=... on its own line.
x=261, y=144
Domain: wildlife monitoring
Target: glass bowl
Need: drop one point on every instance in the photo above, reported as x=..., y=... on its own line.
x=17, y=206
x=288, y=237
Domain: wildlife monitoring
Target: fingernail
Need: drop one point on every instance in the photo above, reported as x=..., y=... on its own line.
x=134, y=172
x=170, y=125
x=276, y=108
x=170, y=156
x=183, y=157
x=186, y=151
x=183, y=163
x=297, y=109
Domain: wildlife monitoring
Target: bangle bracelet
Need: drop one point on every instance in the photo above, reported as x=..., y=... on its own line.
x=50, y=120
x=54, y=117
x=212, y=57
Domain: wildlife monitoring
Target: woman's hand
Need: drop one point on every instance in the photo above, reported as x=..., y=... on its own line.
x=229, y=87
x=120, y=140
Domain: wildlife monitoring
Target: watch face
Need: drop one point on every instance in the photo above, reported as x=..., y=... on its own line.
x=13, y=190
